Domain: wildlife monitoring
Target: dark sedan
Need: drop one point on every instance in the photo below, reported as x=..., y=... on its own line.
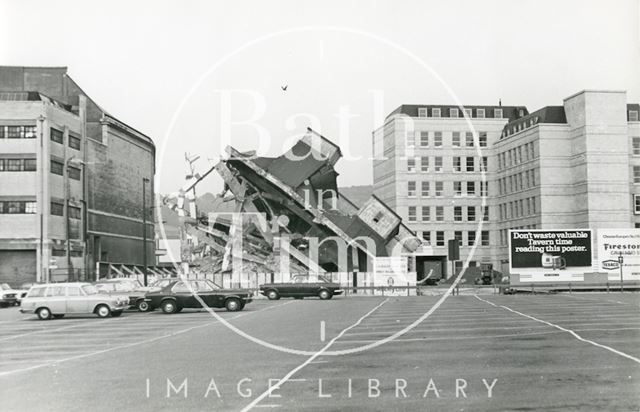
x=182, y=294
x=302, y=286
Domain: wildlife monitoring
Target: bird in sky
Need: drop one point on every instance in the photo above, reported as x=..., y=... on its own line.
x=284, y=88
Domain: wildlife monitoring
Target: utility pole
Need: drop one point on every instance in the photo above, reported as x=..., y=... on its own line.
x=144, y=229
x=620, y=262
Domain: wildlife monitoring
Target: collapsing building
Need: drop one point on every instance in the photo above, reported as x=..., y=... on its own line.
x=285, y=214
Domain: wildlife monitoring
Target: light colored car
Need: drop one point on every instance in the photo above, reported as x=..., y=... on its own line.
x=8, y=295
x=58, y=299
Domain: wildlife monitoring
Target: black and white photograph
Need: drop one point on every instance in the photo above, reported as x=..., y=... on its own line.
x=345, y=205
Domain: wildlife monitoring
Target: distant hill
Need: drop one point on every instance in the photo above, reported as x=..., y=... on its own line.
x=357, y=194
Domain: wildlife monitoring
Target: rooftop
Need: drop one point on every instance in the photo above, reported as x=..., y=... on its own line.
x=413, y=110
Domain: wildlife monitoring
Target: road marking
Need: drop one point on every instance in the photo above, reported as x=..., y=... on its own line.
x=321, y=331
x=309, y=360
x=129, y=345
x=580, y=338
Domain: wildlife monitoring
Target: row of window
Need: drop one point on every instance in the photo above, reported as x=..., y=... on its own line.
x=504, y=233
x=508, y=131
x=517, y=155
x=519, y=181
x=423, y=138
x=456, y=163
x=18, y=165
x=63, y=252
x=458, y=213
x=458, y=234
x=633, y=115
x=454, y=112
x=471, y=188
x=636, y=174
x=58, y=137
x=57, y=209
x=18, y=132
x=635, y=143
x=518, y=208
x=57, y=168
x=15, y=207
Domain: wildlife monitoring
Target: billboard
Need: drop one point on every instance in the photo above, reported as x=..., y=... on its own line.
x=393, y=271
x=550, y=255
x=613, y=243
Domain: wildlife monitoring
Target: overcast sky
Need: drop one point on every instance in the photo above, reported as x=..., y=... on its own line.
x=140, y=60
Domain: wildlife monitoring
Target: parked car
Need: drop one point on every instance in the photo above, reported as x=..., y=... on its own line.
x=8, y=295
x=302, y=286
x=58, y=299
x=24, y=289
x=179, y=294
x=129, y=288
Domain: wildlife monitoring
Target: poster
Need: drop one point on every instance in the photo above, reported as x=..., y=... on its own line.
x=393, y=271
x=613, y=243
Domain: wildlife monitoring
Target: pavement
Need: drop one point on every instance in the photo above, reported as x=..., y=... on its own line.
x=473, y=353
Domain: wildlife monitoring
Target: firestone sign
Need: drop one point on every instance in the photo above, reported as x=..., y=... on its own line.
x=550, y=255
x=613, y=243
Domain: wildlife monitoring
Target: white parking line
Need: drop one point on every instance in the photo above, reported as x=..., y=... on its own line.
x=580, y=338
x=128, y=345
x=309, y=360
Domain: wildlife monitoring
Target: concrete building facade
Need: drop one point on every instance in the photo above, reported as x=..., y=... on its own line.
x=72, y=181
x=570, y=166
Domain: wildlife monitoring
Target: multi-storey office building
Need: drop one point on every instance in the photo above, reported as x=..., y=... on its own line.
x=570, y=166
x=72, y=182
x=434, y=170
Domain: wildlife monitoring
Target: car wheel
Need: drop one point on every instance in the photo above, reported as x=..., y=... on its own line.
x=143, y=306
x=116, y=313
x=233, y=305
x=324, y=294
x=58, y=316
x=273, y=295
x=44, y=313
x=103, y=311
x=169, y=306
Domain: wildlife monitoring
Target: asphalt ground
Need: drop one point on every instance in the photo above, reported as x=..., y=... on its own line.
x=473, y=353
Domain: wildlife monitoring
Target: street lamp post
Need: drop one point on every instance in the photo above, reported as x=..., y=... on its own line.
x=144, y=229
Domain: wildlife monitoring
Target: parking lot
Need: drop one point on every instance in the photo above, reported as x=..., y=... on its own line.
x=488, y=352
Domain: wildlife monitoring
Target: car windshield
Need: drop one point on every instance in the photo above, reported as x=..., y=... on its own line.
x=90, y=289
x=105, y=287
x=5, y=286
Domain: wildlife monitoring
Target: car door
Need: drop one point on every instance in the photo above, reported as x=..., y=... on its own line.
x=77, y=301
x=55, y=299
x=182, y=292
x=209, y=295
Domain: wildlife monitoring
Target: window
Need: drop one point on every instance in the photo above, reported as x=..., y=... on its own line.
x=411, y=165
x=14, y=165
x=426, y=236
x=437, y=139
x=411, y=188
x=424, y=163
x=439, y=186
x=457, y=164
x=57, y=209
x=30, y=207
x=411, y=139
x=58, y=252
x=470, y=162
x=484, y=163
x=439, y=238
x=426, y=213
x=471, y=213
x=482, y=139
x=485, y=214
x=412, y=214
x=533, y=177
x=75, y=212
x=497, y=113
x=636, y=204
x=438, y=164
x=533, y=205
x=457, y=188
x=435, y=112
x=471, y=188
x=13, y=132
x=468, y=113
x=424, y=139
x=633, y=115
x=531, y=151
x=73, y=291
x=74, y=173
x=453, y=112
x=469, y=139
x=2, y=165
x=480, y=113
x=484, y=189
x=471, y=237
x=457, y=235
x=457, y=213
x=484, y=238
x=455, y=139
x=57, y=168
x=439, y=213
x=636, y=146
x=425, y=189
x=74, y=142
x=422, y=112
x=56, y=135
x=636, y=174
x=30, y=165
x=378, y=217
x=14, y=207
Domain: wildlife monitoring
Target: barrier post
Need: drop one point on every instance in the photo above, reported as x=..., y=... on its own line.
x=408, y=289
x=569, y=287
x=532, y=291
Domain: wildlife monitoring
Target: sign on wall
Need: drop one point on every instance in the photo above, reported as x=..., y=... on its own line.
x=550, y=255
x=393, y=272
x=613, y=243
